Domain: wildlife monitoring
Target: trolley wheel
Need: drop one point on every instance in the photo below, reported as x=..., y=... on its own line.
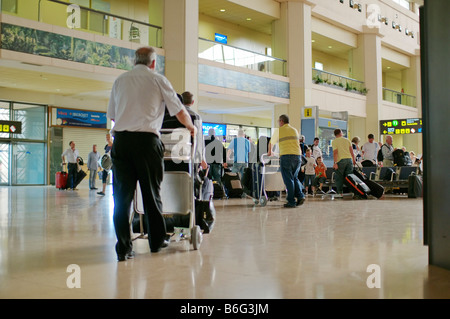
x=263, y=201
x=196, y=237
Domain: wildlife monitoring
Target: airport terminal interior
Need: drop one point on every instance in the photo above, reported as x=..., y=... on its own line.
x=353, y=65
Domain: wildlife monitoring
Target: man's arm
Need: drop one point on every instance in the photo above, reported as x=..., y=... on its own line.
x=269, y=153
x=62, y=157
x=335, y=157
x=353, y=154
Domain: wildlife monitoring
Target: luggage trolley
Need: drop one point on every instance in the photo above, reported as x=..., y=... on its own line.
x=177, y=187
x=271, y=179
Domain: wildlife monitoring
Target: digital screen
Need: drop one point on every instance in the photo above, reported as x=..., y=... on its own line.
x=219, y=129
x=221, y=38
x=403, y=126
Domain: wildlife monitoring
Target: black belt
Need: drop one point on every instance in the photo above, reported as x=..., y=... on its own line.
x=136, y=133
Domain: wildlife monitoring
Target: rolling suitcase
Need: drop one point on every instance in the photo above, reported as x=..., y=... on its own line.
x=61, y=180
x=357, y=186
x=415, y=186
x=376, y=189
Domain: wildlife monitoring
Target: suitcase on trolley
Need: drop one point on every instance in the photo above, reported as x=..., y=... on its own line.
x=357, y=186
x=61, y=180
x=233, y=186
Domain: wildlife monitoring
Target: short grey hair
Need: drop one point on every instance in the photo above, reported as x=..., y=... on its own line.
x=145, y=55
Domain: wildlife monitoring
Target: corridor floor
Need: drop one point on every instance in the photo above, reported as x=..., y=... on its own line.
x=323, y=249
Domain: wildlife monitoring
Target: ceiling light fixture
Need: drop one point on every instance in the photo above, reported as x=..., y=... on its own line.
x=330, y=47
x=249, y=19
x=222, y=10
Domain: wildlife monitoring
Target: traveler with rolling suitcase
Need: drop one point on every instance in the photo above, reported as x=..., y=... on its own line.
x=344, y=158
x=72, y=168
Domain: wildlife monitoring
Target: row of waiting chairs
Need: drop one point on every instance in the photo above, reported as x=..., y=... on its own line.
x=400, y=178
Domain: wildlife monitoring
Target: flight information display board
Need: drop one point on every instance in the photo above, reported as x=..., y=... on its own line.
x=402, y=126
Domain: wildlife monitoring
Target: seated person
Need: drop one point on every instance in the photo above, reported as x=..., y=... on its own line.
x=321, y=175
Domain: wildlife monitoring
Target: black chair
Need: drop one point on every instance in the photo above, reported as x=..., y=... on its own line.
x=403, y=173
x=369, y=171
x=330, y=182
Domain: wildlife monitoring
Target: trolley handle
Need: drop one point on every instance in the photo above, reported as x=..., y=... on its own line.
x=265, y=158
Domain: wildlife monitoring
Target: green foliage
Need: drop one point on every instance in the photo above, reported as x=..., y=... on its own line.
x=26, y=40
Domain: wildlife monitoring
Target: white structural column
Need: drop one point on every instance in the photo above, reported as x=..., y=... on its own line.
x=292, y=41
x=371, y=48
x=181, y=45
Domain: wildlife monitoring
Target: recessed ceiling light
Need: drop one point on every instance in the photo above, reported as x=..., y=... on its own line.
x=388, y=67
x=249, y=19
x=222, y=10
x=313, y=40
x=330, y=47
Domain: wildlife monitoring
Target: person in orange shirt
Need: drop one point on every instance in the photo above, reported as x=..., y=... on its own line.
x=321, y=175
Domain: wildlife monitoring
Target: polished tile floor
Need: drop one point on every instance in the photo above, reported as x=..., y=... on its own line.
x=320, y=250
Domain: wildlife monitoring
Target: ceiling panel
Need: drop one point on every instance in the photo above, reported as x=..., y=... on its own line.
x=237, y=14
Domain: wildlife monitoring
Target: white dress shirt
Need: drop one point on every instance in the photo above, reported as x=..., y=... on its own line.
x=71, y=155
x=370, y=151
x=138, y=100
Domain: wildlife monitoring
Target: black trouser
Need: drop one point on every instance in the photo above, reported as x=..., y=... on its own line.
x=72, y=170
x=137, y=156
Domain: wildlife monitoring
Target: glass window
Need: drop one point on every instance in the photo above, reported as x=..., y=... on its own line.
x=33, y=121
x=29, y=163
x=403, y=3
x=4, y=163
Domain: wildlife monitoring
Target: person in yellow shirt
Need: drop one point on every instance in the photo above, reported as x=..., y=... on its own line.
x=287, y=139
x=344, y=158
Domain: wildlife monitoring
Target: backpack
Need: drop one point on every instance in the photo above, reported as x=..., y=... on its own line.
x=380, y=154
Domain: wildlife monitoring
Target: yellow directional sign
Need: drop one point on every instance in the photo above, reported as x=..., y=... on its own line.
x=308, y=112
x=402, y=126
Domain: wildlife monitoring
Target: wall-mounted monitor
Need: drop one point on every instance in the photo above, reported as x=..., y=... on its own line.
x=219, y=129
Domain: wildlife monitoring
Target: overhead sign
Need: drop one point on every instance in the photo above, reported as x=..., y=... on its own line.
x=399, y=127
x=12, y=127
x=66, y=117
x=221, y=38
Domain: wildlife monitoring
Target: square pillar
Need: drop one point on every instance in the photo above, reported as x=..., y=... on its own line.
x=181, y=45
x=292, y=41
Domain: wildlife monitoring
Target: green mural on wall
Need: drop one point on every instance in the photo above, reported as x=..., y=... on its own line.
x=53, y=45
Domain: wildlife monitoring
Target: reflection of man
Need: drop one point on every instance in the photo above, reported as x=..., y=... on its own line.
x=215, y=154
x=72, y=168
x=136, y=106
x=287, y=139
